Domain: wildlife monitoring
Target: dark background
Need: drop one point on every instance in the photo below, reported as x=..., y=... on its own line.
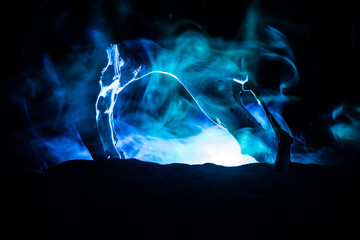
x=129, y=198
x=324, y=38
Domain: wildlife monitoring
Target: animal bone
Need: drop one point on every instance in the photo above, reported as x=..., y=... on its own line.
x=217, y=87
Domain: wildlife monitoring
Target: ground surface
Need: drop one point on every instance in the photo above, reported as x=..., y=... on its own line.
x=129, y=198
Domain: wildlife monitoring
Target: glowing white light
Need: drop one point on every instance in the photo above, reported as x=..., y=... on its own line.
x=212, y=145
x=242, y=82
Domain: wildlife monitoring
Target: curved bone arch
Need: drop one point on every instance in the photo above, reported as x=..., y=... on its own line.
x=218, y=89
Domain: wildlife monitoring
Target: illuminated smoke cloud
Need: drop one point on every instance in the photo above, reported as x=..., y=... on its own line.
x=157, y=115
x=345, y=127
x=215, y=84
x=168, y=104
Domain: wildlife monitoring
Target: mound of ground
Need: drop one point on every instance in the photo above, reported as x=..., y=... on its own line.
x=113, y=199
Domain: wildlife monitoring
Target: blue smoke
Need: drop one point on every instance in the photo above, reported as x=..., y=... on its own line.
x=216, y=85
x=158, y=117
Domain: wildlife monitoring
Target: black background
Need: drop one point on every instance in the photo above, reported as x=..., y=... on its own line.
x=94, y=199
x=324, y=38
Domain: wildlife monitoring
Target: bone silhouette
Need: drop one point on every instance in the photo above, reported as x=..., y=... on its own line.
x=216, y=85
